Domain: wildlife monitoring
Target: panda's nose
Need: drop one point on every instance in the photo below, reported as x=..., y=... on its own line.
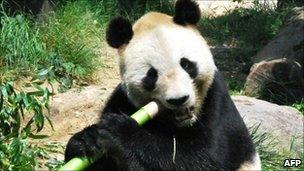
x=178, y=101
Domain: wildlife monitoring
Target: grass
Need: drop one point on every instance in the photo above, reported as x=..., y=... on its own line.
x=272, y=157
x=242, y=27
x=237, y=36
x=20, y=46
x=131, y=9
x=73, y=38
x=299, y=106
x=69, y=41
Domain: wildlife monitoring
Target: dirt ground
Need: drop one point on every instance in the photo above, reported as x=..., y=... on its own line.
x=78, y=108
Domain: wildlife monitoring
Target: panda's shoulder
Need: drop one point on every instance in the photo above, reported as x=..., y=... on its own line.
x=119, y=102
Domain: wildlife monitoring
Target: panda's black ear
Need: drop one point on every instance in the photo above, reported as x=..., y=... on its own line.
x=186, y=12
x=119, y=32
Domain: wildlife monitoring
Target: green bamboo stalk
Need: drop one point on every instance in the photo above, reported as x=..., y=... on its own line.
x=143, y=115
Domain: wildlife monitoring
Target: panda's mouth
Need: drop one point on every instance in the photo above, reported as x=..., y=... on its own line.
x=185, y=117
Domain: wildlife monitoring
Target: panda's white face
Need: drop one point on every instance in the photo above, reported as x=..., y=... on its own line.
x=170, y=65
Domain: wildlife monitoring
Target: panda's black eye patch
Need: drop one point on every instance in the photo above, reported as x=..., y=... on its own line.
x=189, y=67
x=150, y=80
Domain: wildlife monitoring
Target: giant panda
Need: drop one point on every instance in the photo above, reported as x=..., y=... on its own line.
x=166, y=60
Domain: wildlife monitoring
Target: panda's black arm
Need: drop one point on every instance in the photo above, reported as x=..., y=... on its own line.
x=106, y=136
x=103, y=140
x=119, y=103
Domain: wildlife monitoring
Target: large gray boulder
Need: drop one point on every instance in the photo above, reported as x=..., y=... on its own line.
x=289, y=42
x=284, y=123
x=280, y=81
x=277, y=73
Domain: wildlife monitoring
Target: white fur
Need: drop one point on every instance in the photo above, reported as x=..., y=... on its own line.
x=254, y=165
x=162, y=48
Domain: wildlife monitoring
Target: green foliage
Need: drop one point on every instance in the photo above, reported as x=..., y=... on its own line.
x=16, y=106
x=239, y=35
x=64, y=48
x=243, y=26
x=20, y=46
x=69, y=40
x=22, y=116
x=271, y=155
x=20, y=154
x=17, y=154
x=299, y=106
x=243, y=30
x=73, y=37
x=132, y=9
x=235, y=86
x=52, y=148
x=267, y=148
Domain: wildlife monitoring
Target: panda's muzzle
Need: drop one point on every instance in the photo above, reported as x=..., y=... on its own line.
x=185, y=117
x=178, y=101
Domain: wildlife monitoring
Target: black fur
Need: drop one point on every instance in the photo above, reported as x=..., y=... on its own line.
x=119, y=32
x=186, y=12
x=150, y=80
x=189, y=67
x=219, y=140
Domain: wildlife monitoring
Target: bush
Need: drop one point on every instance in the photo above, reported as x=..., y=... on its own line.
x=15, y=105
x=17, y=154
x=22, y=116
x=267, y=146
x=73, y=38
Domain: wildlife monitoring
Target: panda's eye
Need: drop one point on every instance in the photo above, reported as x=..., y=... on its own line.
x=150, y=80
x=189, y=67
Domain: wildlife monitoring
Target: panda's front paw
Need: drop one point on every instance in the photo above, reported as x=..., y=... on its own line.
x=83, y=143
x=105, y=137
x=118, y=123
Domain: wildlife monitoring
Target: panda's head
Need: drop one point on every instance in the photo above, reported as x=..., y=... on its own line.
x=165, y=59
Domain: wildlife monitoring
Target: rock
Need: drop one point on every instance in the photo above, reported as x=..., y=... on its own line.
x=289, y=42
x=280, y=81
x=283, y=122
x=278, y=68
